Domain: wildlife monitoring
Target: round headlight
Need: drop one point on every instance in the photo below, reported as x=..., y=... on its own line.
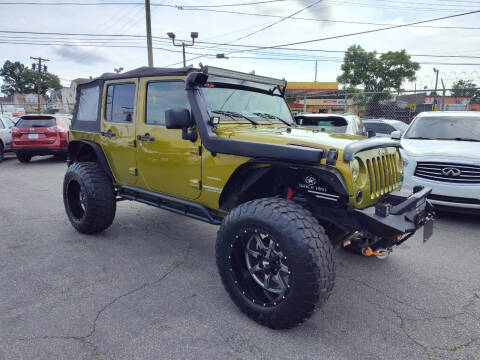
x=355, y=169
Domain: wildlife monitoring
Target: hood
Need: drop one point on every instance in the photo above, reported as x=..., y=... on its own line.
x=442, y=148
x=280, y=135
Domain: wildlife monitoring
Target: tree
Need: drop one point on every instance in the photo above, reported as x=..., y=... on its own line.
x=19, y=79
x=466, y=88
x=376, y=74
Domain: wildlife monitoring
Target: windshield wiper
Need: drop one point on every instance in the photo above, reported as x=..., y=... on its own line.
x=459, y=139
x=420, y=138
x=271, y=116
x=233, y=115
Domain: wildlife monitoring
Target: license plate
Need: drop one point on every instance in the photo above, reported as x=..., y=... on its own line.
x=33, y=136
x=427, y=230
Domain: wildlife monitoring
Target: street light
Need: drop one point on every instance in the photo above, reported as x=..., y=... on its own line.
x=193, y=35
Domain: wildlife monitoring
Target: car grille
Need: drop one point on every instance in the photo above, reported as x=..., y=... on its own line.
x=383, y=173
x=448, y=172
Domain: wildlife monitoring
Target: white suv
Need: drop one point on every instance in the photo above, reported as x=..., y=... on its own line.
x=338, y=123
x=441, y=150
x=5, y=135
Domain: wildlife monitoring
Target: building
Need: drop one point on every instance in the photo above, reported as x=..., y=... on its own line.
x=63, y=100
x=314, y=97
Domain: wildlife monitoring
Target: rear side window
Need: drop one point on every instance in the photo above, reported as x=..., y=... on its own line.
x=36, y=121
x=162, y=96
x=120, y=103
x=380, y=128
x=88, y=104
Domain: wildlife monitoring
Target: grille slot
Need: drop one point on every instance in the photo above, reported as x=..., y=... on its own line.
x=383, y=174
x=469, y=174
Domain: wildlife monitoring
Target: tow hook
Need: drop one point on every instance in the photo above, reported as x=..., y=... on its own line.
x=380, y=253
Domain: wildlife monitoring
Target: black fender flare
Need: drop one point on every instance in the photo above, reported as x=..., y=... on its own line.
x=75, y=147
x=248, y=173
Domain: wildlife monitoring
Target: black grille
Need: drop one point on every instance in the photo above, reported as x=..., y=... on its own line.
x=448, y=172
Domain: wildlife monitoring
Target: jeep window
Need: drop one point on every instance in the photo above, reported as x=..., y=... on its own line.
x=161, y=96
x=466, y=128
x=120, y=102
x=88, y=104
x=239, y=104
x=331, y=123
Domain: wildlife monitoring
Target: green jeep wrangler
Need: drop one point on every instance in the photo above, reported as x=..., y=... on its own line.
x=222, y=147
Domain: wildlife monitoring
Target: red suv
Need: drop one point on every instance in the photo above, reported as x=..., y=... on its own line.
x=39, y=135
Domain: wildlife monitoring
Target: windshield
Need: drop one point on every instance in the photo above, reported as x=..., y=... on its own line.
x=445, y=128
x=245, y=105
x=332, y=123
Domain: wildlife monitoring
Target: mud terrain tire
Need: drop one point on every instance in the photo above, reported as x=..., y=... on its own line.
x=305, y=253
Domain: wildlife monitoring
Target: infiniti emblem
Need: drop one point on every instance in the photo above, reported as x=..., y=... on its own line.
x=451, y=172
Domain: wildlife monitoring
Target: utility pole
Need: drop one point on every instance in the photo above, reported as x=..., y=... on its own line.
x=436, y=85
x=443, y=96
x=316, y=70
x=149, y=32
x=39, y=69
x=193, y=35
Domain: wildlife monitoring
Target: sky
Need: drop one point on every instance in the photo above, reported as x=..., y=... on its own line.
x=75, y=56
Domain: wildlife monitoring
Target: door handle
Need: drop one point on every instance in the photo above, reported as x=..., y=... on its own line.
x=107, y=134
x=145, y=137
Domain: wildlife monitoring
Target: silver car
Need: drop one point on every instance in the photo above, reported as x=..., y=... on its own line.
x=6, y=125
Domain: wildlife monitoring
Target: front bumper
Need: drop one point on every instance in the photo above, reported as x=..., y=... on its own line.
x=444, y=195
x=400, y=212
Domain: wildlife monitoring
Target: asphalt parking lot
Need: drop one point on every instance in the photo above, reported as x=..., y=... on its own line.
x=148, y=288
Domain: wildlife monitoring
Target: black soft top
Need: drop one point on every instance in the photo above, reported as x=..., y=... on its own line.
x=144, y=71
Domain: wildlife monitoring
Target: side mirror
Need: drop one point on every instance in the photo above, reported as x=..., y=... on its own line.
x=396, y=135
x=371, y=133
x=179, y=118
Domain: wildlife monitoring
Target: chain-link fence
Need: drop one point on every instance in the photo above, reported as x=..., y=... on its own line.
x=388, y=105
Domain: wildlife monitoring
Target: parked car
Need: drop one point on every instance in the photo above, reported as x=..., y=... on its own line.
x=441, y=150
x=39, y=135
x=221, y=146
x=6, y=125
x=384, y=127
x=337, y=123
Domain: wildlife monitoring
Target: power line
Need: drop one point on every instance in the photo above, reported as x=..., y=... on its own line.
x=327, y=20
x=230, y=5
x=277, y=22
x=134, y=37
x=344, y=35
x=364, y=32
x=126, y=42
x=87, y=39
x=133, y=3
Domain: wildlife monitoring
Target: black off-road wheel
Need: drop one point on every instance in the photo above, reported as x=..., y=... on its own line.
x=275, y=261
x=24, y=157
x=2, y=152
x=89, y=197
